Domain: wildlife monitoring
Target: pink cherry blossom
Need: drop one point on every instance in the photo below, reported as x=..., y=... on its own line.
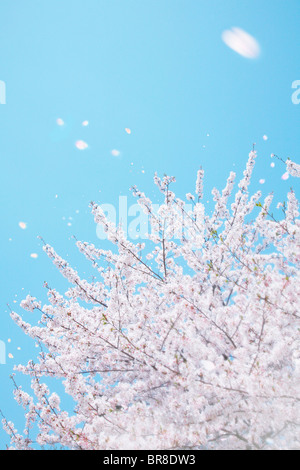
x=293, y=168
x=188, y=340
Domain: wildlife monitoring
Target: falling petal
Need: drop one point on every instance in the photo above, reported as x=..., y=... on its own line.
x=272, y=165
x=23, y=225
x=285, y=176
x=241, y=42
x=262, y=181
x=59, y=122
x=34, y=255
x=85, y=123
x=81, y=145
x=10, y=356
x=265, y=137
x=115, y=153
x=127, y=130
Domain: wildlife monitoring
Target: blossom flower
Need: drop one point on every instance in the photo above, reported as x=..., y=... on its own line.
x=293, y=168
x=30, y=303
x=199, y=183
x=189, y=340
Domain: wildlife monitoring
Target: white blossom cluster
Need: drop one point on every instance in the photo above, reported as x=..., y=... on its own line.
x=184, y=344
x=293, y=168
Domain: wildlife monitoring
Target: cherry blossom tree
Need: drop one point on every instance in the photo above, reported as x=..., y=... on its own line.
x=186, y=341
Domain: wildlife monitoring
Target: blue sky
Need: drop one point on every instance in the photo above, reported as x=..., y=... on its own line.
x=158, y=67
